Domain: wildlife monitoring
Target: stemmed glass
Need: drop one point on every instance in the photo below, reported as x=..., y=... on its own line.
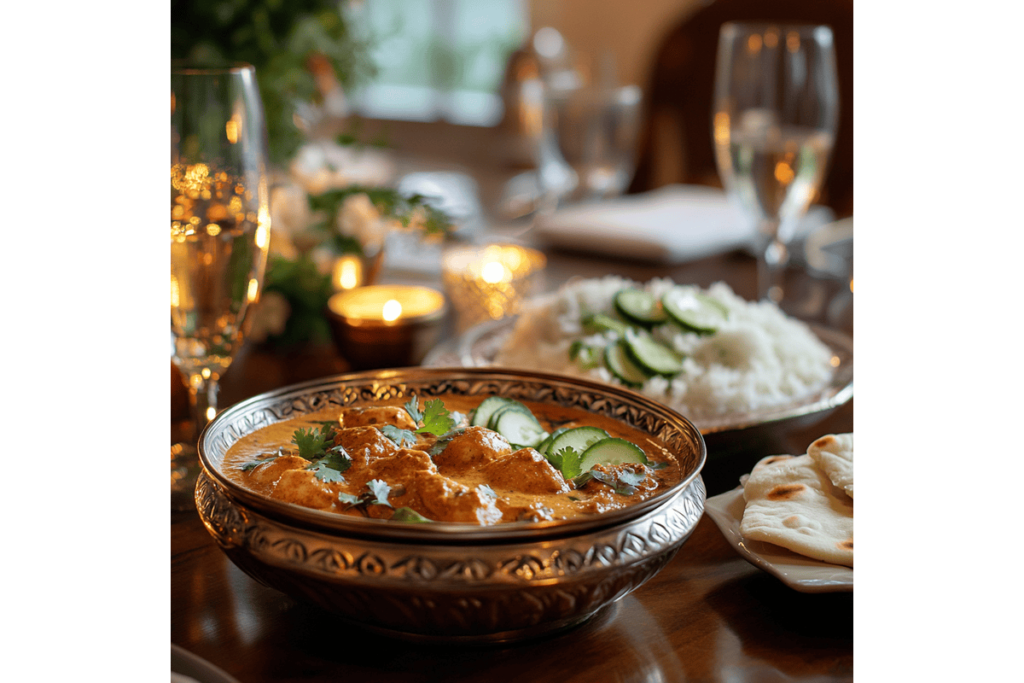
x=588, y=140
x=776, y=108
x=220, y=232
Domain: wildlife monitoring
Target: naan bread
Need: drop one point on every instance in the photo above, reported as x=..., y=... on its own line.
x=833, y=454
x=793, y=504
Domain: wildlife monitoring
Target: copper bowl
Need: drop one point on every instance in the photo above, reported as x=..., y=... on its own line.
x=456, y=582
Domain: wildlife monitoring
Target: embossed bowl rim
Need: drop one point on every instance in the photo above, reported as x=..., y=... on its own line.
x=247, y=416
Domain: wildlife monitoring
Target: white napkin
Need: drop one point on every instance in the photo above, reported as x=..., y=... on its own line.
x=672, y=224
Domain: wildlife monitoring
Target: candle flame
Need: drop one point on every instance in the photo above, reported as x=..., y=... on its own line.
x=347, y=272
x=392, y=310
x=493, y=272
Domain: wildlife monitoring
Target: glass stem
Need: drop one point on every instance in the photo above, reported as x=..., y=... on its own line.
x=202, y=396
x=771, y=266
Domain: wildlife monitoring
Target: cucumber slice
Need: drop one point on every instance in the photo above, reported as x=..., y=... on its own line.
x=546, y=443
x=578, y=438
x=694, y=310
x=599, y=322
x=616, y=357
x=520, y=428
x=489, y=406
x=653, y=356
x=512, y=405
x=640, y=307
x=611, y=451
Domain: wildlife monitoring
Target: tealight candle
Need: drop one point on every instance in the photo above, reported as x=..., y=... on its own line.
x=386, y=325
x=347, y=273
x=350, y=271
x=490, y=282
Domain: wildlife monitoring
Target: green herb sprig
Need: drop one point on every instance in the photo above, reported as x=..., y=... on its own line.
x=623, y=482
x=434, y=418
x=566, y=461
x=376, y=493
x=327, y=461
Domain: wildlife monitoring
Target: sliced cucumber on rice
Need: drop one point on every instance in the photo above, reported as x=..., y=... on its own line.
x=694, y=310
x=600, y=322
x=640, y=307
x=616, y=357
x=651, y=355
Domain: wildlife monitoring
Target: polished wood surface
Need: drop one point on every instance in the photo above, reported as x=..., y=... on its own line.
x=708, y=616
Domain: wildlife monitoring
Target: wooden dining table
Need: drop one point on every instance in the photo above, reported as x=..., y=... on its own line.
x=709, y=615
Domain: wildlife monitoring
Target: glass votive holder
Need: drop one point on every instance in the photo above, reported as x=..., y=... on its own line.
x=385, y=326
x=490, y=282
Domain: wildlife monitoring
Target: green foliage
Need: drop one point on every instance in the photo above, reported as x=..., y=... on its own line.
x=376, y=493
x=437, y=419
x=278, y=37
x=623, y=482
x=402, y=438
x=407, y=514
x=307, y=291
x=312, y=444
x=566, y=461
x=389, y=203
x=434, y=418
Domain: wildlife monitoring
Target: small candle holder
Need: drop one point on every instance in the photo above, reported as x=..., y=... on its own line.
x=491, y=281
x=383, y=326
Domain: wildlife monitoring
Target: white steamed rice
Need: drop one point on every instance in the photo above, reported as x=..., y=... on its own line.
x=758, y=359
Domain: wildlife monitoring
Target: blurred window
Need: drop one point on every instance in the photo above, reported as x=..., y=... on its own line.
x=438, y=59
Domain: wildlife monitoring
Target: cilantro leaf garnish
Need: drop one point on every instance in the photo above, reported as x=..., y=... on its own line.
x=312, y=444
x=437, y=419
x=434, y=418
x=380, y=491
x=326, y=460
x=331, y=465
x=324, y=472
x=376, y=494
x=407, y=514
x=413, y=408
x=403, y=438
x=348, y=498
x=623, y=483
x=566, y=461
x=256, y=463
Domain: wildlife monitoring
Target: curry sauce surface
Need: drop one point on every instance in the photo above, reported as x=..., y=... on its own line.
x=479, y=478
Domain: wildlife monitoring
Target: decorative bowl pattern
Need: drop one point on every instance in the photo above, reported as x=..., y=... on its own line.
x=442, y=580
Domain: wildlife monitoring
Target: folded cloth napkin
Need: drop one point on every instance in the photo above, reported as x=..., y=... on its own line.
x=672, y=224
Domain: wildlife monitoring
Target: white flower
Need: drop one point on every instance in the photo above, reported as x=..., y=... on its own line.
x=359, y=218
x=269, y=316
x=291, y=222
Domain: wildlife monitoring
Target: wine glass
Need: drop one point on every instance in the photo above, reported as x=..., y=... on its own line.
x=587, y=145
x=776, y=107
x=220, y=232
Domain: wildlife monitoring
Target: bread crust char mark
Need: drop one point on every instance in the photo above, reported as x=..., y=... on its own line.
x=786, y=491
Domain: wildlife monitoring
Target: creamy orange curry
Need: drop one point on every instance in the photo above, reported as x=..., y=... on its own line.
x=381, y=462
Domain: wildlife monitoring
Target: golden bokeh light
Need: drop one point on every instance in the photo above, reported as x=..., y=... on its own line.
x=392, y=310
